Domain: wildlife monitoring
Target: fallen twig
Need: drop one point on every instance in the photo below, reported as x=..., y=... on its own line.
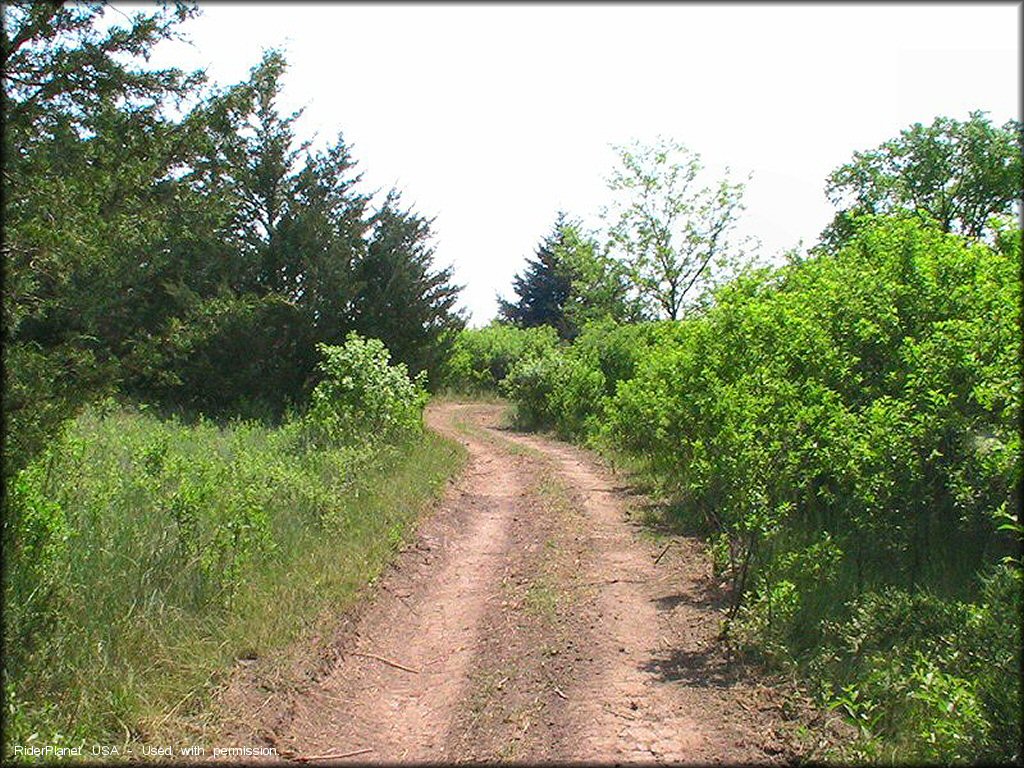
x=619, y=714
x=333, y=755
x=562, y=695
x=265, y=702
x=658, y=558
x=386, y=661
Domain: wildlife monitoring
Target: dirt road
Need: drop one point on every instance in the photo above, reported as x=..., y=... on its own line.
x=531, y=621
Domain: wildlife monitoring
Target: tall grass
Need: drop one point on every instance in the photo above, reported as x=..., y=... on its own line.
x=142, y=557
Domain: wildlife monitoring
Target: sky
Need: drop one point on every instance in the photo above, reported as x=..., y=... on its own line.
x=493, y=117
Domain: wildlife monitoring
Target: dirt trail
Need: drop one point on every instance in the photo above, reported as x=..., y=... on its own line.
x=531, y=621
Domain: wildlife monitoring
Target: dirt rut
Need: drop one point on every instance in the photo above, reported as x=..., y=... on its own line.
x=530, y=621
x=429, y=626
x=661, y=686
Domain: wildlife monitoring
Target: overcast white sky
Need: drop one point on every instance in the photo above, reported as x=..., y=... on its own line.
x=492, y=117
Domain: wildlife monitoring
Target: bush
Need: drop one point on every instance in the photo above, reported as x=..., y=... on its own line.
x=836, y=396
x=482, y=357
x=566, y=388
x=847, y=429
x=555, y=390
x=142, y=556
x=614, y=349
x=249, y=356
x=362, y=399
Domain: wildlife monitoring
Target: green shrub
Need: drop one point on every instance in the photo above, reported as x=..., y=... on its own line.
x=936, y=680
x=847, y=430
x=555, y=390
x=615, y=349
x=362, y=398
x=142, y=556
x=816, y=397
x=482, y=357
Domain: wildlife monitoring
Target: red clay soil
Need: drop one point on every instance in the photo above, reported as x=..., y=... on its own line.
x=531, y=621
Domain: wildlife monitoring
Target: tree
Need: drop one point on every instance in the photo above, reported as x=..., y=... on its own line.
x=673, y=236
x=89, y=164
x=322, y=238
x=542, y=288
x=402, y=299
x=289, y=232
x=957, y=175
x=599, y=287
x=253, y=161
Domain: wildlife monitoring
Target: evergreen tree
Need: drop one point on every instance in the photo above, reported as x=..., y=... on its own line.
x=542, y=288
x=402, y=299
x=292, y=229
x=253, y=163
x=197, y=261
x=325, y=235
x=89, y=163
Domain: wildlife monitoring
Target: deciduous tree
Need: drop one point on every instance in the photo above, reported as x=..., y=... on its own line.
x=955, y=174
x=673, y=236
x=599, y=285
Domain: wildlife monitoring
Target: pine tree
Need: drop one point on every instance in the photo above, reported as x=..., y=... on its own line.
x=543, y=288
x=88, y=161
x=402, y=300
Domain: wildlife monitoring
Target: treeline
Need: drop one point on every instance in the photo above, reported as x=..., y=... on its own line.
x=176, y=242
x=844, y=429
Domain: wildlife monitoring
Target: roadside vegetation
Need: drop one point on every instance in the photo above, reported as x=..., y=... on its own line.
x=216, y=354
x=217, y=351
x=145, y=556
x=844, y=429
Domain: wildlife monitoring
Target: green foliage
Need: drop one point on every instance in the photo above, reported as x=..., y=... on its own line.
x=598, y=283
x=193, y=261
x=842, y=393
x=88, y=160
x=846, y=430
x=141, y=557
x=936, y=680
x=673, y=237
x=554, y=390
x=566, y=388
x=543, y=289
x=362, y=399
x=616, y=349
x=401, y=299
x=957, y=174
x=570, y=283
x=482, y=357
x=247, y=355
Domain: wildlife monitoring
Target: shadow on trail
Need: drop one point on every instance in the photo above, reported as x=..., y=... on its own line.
x=706, y=668
x=704, y=594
